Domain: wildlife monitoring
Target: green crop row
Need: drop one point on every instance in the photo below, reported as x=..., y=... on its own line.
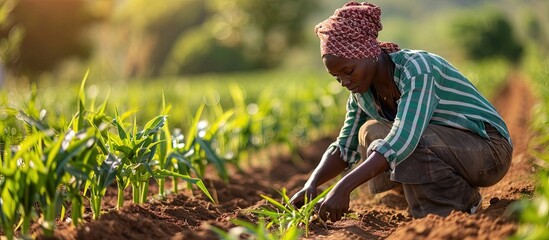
x=534, y=213
x=57, y=164
x=60, y=151
x=57, y=168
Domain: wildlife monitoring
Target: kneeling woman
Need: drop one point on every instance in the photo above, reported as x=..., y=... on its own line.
x=412, y=118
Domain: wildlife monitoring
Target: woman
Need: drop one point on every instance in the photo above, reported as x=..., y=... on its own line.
x=413, y=119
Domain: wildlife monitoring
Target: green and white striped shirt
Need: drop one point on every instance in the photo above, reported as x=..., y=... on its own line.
x=432, y=92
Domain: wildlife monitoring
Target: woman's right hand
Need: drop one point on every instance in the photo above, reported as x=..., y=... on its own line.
x=298, y=200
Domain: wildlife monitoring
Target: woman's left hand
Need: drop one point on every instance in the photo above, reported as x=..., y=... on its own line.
x=335, y=205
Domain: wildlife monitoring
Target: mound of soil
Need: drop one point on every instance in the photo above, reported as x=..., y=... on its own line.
x=188, y=215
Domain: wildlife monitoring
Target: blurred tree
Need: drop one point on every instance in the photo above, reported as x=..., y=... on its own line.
x=9, y=43
x=488, y=34
x=153, y=28
x=536, y=32
x=195, y=36
x=53, y=31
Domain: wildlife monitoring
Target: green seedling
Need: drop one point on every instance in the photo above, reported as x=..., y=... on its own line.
x=246, y=230
x=285, y=215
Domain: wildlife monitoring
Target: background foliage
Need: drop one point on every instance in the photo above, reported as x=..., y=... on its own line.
x=137, y=38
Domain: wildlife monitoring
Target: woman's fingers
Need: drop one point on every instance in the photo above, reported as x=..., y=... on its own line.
x=325, y=212
x=297, y=200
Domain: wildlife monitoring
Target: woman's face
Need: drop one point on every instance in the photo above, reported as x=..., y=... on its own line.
x=357, y=75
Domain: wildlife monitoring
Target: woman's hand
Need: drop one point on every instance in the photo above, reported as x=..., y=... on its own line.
x=335, y=205
x=299, y=198
x=337, y=200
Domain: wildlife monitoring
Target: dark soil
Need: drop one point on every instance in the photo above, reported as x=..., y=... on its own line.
x=189, y=215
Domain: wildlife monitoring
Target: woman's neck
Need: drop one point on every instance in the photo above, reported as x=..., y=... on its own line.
x=384, y=82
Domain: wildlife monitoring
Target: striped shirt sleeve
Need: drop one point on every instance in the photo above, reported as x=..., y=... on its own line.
x=347, y=141
x=416, y=107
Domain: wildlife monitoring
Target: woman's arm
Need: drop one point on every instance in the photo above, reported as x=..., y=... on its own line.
x=330, y=166
x=337, y=200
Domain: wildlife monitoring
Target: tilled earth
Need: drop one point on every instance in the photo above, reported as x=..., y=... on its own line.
x=188, y=215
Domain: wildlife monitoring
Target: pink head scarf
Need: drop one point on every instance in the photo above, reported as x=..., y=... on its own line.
x=352, y=32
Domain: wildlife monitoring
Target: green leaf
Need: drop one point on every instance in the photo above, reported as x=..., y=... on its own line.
x=117, y=122
x=187, y=178
x=182, y=159
x=108, y=170
x=194, y=128
x=81, y=102
x=40, y=125
x=212, y=157
x=219, y=122
x=275, y=203
x=153, y=126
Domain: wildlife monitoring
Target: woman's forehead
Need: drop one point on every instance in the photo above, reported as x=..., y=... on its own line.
x=334, y=63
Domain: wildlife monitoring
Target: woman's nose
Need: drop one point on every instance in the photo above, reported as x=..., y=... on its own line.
x=344, y=82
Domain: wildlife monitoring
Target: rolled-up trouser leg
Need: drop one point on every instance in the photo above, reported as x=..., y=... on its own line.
x=447, y=167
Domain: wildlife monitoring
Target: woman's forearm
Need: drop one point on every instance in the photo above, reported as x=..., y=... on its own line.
x=330, y=166
x=371, y=167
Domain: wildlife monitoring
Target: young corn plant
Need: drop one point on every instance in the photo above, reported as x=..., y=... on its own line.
x=165, y=167
x=65, y=163
x=285, y=215
x=99, y=165
x=165, y=138
x=136, y=149
x=246, y=230
x=63, y=169
x=245, y=133
x=193, y=152
x=19, y=186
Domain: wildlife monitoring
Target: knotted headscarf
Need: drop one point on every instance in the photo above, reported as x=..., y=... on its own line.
x=352, y=32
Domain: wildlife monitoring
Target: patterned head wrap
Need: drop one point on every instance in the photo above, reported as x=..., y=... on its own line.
x=352, y=32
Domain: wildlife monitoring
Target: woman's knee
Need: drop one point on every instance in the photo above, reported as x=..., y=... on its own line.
x=493, y=175
x=372, y=130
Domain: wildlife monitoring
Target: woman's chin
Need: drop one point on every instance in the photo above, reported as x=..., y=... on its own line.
x=357, y=90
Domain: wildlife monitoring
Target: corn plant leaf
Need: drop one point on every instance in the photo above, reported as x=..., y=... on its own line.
x=198, y=182
x=117, y=122
x=237, y=95
x=107, y=171
x=182, y=159
x=267, y=213
x=79, y=170
x=72, y=151
x=194, y=128
x=40, y=125
x=164, y=146
x=127, y=114
x=153, y=126
x=153, y=146
x=292, y=233
x=219, y=122
x=220, y=232
x=101, y=145
x=275, y=203
x=124, y=149
x=104, y=105
x=212, y=157
x=81, y=102
x=248, y=225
